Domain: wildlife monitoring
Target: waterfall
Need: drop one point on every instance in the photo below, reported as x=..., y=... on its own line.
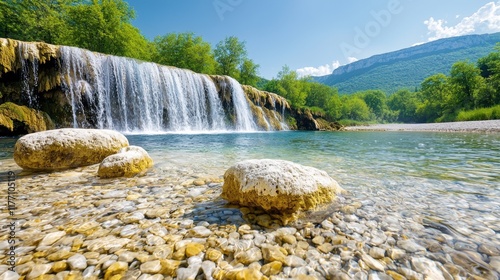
x=29, y=72
x=132, y=96
x=244, y=118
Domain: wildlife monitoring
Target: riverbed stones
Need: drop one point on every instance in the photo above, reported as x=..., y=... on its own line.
x=66, y=148
x=278, y=186
x=129, y=161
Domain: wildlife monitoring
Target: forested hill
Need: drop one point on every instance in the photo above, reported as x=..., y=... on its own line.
x=407, y=68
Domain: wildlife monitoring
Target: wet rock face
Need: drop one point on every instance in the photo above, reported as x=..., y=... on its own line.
x=66, y=148
x=128, y=162
x=278, y=185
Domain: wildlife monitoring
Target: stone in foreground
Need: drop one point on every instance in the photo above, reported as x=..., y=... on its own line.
x=278, y=186
x=66, y=148
x=128, y=162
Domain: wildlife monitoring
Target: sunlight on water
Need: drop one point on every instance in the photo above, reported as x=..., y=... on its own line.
x=446, y=182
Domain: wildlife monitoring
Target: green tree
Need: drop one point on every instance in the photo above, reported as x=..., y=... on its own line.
x=355, y=108
x=404, y=103
x=376, y=101
x=33, y=20
x=435, y=97
x=105, y=26
x=184, y=50
x=230, y=54
x=248, y=73
x=289, y=86
x=466, y=83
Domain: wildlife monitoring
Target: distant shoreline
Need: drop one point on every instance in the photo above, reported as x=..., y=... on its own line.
x=491, y=126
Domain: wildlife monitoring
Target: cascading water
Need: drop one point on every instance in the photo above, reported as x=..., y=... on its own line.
x=29, y=72
x=244, y=119
x=132, y=96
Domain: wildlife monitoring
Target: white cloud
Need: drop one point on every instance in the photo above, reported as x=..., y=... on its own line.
x=352, y=59
x=486, y=19
x=318, y=71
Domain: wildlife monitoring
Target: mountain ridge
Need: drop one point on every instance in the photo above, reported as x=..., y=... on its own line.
x=408, y=67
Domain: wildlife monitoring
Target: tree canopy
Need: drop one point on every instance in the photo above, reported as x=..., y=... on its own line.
x=185, y=50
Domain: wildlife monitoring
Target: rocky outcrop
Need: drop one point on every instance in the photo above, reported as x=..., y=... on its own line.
x=66, y=148
x=128, y=162
x=278, y=186
x=73, y=88
x=269, y=109
x=15, y=120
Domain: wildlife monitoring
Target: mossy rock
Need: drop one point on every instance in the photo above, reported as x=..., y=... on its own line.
x=8, y=57
x=128, y=162
x=66, y=148
x=21, y=119
x=278, y=186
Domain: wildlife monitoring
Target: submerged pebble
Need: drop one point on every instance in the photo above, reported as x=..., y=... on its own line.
x=156, y=227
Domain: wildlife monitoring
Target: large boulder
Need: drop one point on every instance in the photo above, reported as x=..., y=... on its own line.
x=278, y=186
x=66, y=148
x=130, y=161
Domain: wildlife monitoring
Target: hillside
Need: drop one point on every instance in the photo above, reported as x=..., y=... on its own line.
x=407, y=68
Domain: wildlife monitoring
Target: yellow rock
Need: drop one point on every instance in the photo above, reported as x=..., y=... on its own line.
x=273, y=253
x=193, y=249
x=169, y=267
x=31, y=119
x=8, y=55
x=244, y=274
x=271, y=268
x=213, y=255
x=278, y=186
x=59, y=266
x=395, y=275
x=60, y=255
x=128, y=162
x=116, y=269
x=66, y=148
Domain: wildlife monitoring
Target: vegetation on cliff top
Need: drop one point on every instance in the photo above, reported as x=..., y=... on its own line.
x=105, y=26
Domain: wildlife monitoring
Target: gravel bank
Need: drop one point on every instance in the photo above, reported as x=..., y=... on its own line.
x=492, y=126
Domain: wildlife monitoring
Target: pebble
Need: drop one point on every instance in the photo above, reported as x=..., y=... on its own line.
x=159, y=229
x=410, y=246
x=39, y=270
x=151, y=267
x=51, y=238
x=77, y=262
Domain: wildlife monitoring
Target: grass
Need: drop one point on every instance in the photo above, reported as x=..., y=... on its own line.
x=491, y=113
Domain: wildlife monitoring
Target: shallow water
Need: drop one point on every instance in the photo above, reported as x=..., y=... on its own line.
x=453, y=178
x=425, y=186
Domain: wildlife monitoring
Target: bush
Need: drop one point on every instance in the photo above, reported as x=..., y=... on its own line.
x=491, y=113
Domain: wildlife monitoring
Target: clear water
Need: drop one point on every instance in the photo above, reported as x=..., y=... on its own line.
x=449, y=178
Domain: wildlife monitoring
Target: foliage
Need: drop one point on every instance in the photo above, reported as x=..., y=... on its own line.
x=248, y=73
x=98, y=25
x=490, y=113
x=184, y=50
x=230, y=54
x=355, y=108
x=404, y=103
x=466, y=84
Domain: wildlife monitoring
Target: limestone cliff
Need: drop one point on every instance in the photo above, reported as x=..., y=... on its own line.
x=77, y=88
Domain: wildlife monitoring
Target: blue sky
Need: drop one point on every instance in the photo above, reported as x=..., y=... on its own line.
x=316, y=36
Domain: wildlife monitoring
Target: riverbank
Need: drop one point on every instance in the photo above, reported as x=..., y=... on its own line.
x=492, y=126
